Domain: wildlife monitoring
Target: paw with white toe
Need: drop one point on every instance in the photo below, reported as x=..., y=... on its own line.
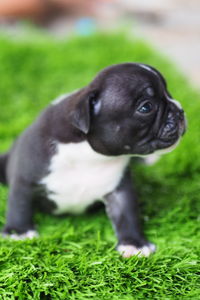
x=130, y=250
x=30, y=234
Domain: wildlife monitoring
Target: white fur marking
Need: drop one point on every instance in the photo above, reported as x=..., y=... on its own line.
x=78, y=176
x=151, y=159
x=127, y=147
x=148, y=69
x=177, y=103
x=130, y=250
x=62, y=97
x=30, y=234
x=97, y=107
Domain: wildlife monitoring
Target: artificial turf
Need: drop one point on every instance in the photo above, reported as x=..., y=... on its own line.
x=74, y=257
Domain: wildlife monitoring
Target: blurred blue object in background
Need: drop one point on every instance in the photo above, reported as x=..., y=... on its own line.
x=86, y=26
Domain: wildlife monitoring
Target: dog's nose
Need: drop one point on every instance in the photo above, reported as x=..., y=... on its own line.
x=181, y=121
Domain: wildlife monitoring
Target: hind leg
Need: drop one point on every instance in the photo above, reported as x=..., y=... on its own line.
x=19, y=219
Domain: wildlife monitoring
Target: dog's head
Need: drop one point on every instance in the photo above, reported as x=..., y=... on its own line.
x=127, y=110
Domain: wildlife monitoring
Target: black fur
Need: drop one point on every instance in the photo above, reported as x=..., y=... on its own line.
x=3, y=163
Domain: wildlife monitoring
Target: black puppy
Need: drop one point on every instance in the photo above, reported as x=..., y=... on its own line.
x=79, y=148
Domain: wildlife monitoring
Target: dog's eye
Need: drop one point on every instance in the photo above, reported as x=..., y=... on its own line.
x=145, y=108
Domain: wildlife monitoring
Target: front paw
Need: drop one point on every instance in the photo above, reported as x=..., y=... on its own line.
x=19, y=234
x=130, y=250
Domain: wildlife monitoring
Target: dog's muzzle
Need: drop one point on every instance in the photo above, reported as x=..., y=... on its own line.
x=174, y=127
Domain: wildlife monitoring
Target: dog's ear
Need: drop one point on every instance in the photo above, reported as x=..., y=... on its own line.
x=82, y=114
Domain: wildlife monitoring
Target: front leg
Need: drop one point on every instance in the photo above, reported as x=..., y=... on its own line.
x=122, y=208
x=19, y=219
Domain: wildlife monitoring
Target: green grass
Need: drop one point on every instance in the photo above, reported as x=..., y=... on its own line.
x=74, y=258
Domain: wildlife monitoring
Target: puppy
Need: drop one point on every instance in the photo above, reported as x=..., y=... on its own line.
x=79, y=148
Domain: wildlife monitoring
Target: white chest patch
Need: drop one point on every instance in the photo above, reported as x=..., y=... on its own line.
x=78, y=176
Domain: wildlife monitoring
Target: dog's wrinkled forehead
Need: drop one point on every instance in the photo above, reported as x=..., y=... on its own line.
x=128, y=80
